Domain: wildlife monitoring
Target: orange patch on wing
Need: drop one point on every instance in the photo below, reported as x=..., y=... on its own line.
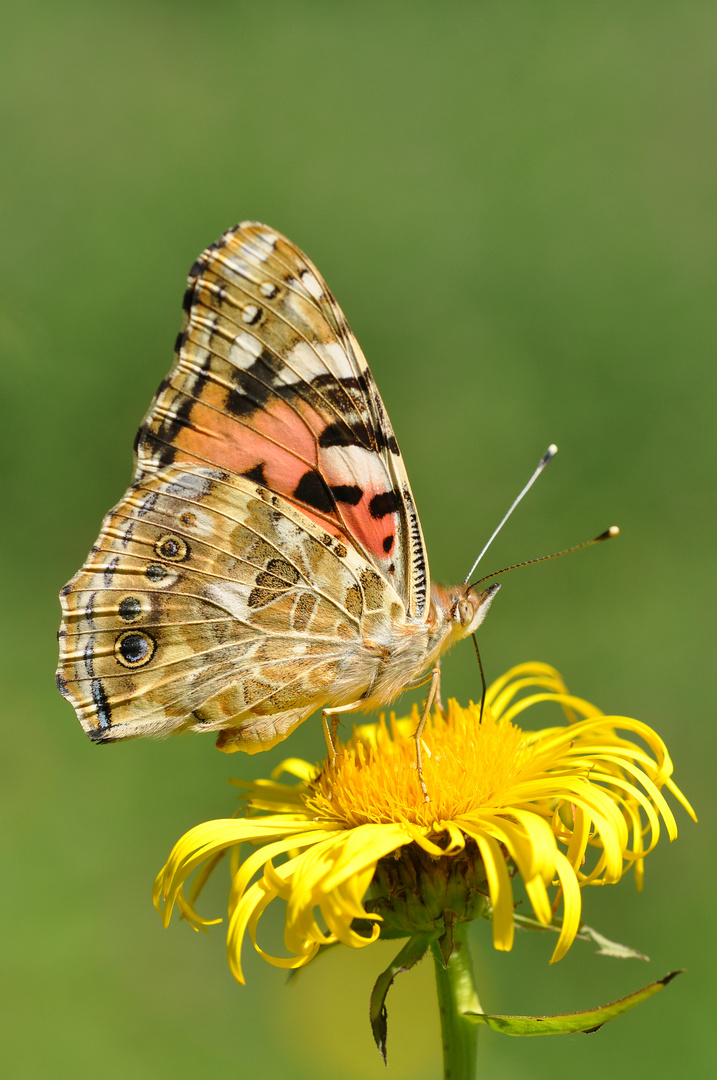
x=275, y=435
x=371, y=532
x=284, y=441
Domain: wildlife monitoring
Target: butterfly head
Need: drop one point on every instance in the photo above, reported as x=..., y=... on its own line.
x=463, y=608
x=471, y=608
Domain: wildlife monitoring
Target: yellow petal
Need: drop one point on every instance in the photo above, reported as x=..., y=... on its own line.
x=571, y=907
x=499, y=888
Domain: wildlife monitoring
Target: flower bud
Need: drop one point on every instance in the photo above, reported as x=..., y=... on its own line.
x=415, y=892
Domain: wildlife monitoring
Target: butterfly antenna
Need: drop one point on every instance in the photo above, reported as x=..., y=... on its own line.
x=607, y=535
x=547, y=456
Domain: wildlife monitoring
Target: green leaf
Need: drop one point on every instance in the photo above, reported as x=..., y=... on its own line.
x=413, y=951
x=570, y=1022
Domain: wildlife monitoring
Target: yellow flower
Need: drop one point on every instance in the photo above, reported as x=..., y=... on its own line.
x=355, y=851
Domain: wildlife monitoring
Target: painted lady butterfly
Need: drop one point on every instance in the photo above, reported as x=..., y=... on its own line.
x=267, y=559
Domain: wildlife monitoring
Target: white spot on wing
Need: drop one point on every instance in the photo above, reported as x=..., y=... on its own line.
x=249, y=313
x=230, y=596
x=311, y=284
x=336, y=359
x=244, y=350
x=191, y=485
x=355, y=465
x=304, y=362
x=232, y=267
x=202, y=329
x=259, y=249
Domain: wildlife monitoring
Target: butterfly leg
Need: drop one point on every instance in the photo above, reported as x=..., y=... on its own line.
x=331, y=728
x=435, y=678
x=438, y=701
x=330, y=734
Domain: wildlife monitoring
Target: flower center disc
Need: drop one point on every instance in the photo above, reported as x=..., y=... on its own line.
x=467, y=764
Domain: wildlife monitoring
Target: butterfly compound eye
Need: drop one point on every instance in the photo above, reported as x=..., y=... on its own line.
x=465, y=612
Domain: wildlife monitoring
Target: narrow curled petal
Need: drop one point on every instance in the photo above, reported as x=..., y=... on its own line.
x=365, y=846
x=206, y=841
x=265, y=854
x=501, y=891
x=572, y=906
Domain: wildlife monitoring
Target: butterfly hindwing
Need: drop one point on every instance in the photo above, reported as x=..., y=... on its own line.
x=210, y=602
x=270, y=383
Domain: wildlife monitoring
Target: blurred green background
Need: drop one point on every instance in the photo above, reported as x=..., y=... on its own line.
x=515, y=204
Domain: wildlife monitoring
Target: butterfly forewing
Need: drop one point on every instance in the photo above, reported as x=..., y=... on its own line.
x=270, y=383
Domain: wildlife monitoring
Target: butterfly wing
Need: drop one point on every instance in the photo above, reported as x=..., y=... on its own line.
x=208, y=602
x=269, y=538
x=270, y=383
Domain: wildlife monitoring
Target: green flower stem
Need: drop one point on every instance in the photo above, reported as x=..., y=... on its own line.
x=457, y=997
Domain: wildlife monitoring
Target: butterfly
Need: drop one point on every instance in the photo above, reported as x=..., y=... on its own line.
x=267, y=559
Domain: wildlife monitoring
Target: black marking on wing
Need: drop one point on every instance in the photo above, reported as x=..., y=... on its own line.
x=88, y=656
x=104, y=714
x=160, y=440
x=385, y=503
x=256, y=385
x=148, y=504
x=351, y=494
x=250, y=318
x=89, y=609
x=136, y=648
x=256, y=473
x=109, y=571
x=127, y=533
x=419, y=563
x=341, y=435
x=130, y=608
x=313, y=491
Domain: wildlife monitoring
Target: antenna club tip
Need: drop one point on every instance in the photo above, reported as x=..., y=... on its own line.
x=609, y=533
x=552, y=450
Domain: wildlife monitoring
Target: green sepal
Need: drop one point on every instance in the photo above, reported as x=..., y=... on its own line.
x=445, y=941
x=414, y=950
x=568, y=1023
